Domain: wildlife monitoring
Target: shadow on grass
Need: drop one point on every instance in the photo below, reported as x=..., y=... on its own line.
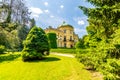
x=45, y=59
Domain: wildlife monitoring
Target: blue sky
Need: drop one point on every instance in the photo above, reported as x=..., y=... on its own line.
x=54, y=12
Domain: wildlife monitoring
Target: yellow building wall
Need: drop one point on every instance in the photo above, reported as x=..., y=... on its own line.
x=71, y=38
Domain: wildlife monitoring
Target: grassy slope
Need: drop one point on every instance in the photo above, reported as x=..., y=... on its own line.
x=52, y=68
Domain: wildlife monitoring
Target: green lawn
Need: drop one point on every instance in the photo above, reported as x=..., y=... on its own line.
x=67, y=50
x=51, y=68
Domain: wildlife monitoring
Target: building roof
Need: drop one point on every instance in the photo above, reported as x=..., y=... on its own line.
x=64, y=24
x=51, y=28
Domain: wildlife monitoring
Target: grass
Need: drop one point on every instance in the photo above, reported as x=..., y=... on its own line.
x=51, y=68
x=67, y=50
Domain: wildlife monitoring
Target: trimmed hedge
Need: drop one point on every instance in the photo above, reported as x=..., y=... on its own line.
x=52, y=40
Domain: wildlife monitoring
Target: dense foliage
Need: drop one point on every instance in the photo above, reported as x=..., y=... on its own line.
x=80, y=44
x=14, y=19
x=102, y=44
x=52, y=40
x=2, y=49
x=35, y=45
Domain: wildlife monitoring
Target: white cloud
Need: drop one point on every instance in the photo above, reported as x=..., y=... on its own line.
x=61, y=6
x=46, y=3
x=46, y=11
x=36, y=16
x=51, y=16
x=81, y=22
x=35, y=11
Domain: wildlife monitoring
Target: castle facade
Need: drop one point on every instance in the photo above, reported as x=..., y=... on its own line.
x=66, y=36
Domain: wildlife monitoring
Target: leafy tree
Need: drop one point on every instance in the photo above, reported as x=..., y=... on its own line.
x=103, y=37
x=35, y=45
x=22, y=34
x=2, y=49
x=103, y=19
x=3, y=38
x=14, y=17
x=52, y=40
x=80, y=44
x=15, y=10
x=32, y=22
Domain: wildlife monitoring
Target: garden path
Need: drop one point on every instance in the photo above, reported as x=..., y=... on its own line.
x=63, y=54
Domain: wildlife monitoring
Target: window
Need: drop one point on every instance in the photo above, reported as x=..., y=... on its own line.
x=64, y=38
x=64, y=31
x=70, y=38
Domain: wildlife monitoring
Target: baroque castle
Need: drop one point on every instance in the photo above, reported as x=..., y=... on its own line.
x=66, y=36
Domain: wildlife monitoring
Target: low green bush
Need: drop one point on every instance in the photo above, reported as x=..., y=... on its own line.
x=2, y=49
x=110, y=69
x=98, y=60
x=91, y=58
x=7, y=57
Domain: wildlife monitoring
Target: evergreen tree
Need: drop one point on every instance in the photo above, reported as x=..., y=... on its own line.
x=35, y=45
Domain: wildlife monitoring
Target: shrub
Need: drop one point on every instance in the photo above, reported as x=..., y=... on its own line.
x=35, y=45
x=98, y=60
x=2, y=49
x=91, y=58
x=8, y=57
